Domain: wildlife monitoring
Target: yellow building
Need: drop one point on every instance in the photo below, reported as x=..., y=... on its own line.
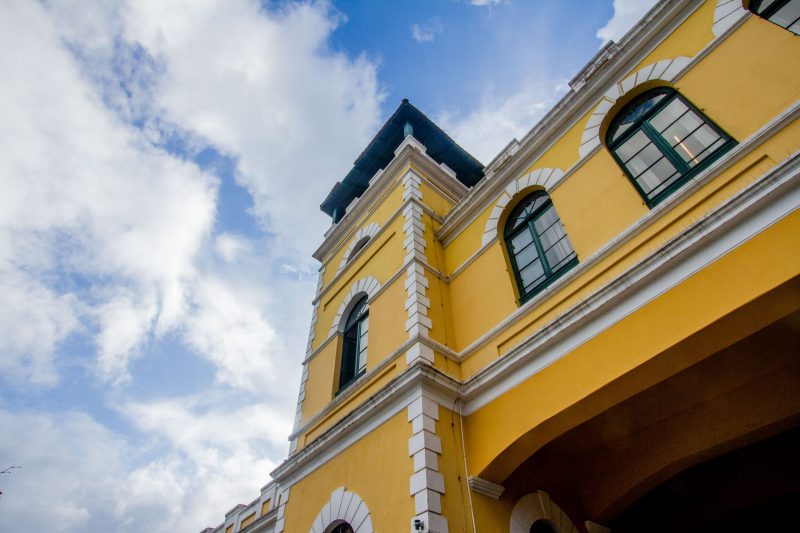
x=596, y=331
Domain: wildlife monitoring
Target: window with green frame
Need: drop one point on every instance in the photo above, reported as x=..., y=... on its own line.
x=661, y=141
x=354, y=345
x=537, y=244
x=784, y=13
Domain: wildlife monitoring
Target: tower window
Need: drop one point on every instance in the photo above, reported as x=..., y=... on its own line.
x=661, y=141
x=784, y=13
x=537, y=244
x=354, y=347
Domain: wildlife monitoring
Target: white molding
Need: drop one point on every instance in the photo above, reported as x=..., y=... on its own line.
x=538, y=506
x=540, y=177
x=367, y=232
x=366, y=285
x=426, y=484
x=726, y=14
x=344, y=506
x=485, y=487
x=666, y=70
x=390, y=400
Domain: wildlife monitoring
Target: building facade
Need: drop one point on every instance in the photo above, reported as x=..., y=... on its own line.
x=596, y=331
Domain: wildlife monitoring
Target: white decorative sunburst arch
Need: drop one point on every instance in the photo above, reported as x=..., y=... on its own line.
x=539, y=506
x=665, y=70
x=368, y=285
x=726, y=14
x=367, y=232
x=344, y=506
x=543, y=177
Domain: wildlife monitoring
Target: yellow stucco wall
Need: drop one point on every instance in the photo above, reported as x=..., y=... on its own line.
x=377, y=468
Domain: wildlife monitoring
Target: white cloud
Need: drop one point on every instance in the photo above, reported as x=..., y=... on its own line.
x=626, y=14
x=483, y=3
x=427, y=31
x=108, y=236
x=488, y=129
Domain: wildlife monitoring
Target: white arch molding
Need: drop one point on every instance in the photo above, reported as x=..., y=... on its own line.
x=344, y=506
x=726, y=14
x=665, y=70
x=539, y=506
x=544, y=177
x=367, y=232
x=369, y=286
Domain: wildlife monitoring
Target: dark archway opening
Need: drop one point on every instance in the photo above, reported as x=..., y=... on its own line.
x=542, y=526
x=755, y=488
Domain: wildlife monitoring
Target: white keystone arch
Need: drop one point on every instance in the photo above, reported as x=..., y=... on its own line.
x=538, y=506
x=665, y=70
x=544, y=177
x=369, y=285
x=726, y=14
x=343, y=506
x=368, y=232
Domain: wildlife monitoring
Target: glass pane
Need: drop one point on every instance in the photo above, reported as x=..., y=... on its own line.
x=362, y=360
x=763, y=5
x=545, y=220
x=521, y=241
x=644, y=160
x=523, y=210
x=668, y=115
x=635, y=110
x=526, y=256
x=632, y=146
x=551, y=236
x=682, y=128
x=661, y=172
x=531, y=273
x=698, y=145
x=358, y=310
x=364, y=325
x=787, y=15
x=559, y=254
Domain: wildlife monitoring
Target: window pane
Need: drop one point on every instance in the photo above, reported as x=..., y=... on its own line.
x=559, y=254
x=644, y=160
x=764, y=4
x=668, y=115
x=698, y=145
x=632, y=146
x=551, y=236
x=636, y=110
x=658, y=174
x=545, y=220
x=521, y=241
x=532, y=273
x=682, y=128
x=526, y=256
x=364, y=325
x=787, y=15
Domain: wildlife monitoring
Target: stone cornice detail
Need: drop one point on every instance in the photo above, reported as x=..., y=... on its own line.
x=410, y=151
x=485, y=487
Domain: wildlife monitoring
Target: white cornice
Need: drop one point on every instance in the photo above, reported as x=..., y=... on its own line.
x=634, y=47
x=380, y=407
x=410, y=151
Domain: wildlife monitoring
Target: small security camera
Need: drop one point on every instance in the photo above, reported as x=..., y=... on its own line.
x=418, y=525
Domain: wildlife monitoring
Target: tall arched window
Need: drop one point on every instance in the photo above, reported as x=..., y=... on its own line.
x=537, y=244
x=354, y=346
x=784, y=13
x=661, y=141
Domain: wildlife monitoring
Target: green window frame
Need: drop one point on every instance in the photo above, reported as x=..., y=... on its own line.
x=354, y=344
x=660, y=140
x=784, y=13
x=538, y=246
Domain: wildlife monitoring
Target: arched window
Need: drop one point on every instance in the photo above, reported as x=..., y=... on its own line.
x=537, y=244
x=344, y=527
x=354, y=346
x=661, y=141
x=784, y=13
x=357, y=248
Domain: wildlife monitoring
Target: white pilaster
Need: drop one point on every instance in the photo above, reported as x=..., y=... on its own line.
x=426, y=484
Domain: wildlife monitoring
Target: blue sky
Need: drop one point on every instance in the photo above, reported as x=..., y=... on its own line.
x=161, y=167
